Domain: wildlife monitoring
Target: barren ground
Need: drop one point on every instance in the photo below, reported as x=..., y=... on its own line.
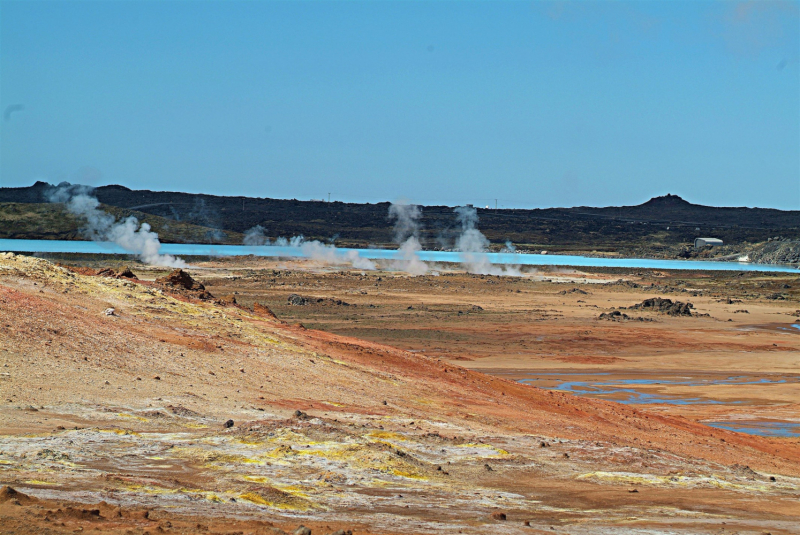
x=117, y=423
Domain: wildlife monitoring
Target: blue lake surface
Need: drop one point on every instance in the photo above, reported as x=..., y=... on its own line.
x=520, y=259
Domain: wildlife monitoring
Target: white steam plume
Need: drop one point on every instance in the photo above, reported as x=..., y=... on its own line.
x=255, y=237
x=329, y=254
x=472, y=245
x=406, y=235
x=296, y=241
x=324, y=253
x=101, y=226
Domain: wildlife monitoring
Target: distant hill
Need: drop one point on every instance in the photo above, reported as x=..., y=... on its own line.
x=665, y=221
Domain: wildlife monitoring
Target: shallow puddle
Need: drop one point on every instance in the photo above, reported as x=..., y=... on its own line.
x=624, y=390
x=792, y=328
x=643, y=389
x=766, y=428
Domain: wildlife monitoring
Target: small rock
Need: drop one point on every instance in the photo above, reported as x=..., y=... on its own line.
x=487, y=467
x=109, y=312
x=498, y=515
x=301, y=530
x=228, y=424
x=297, y=300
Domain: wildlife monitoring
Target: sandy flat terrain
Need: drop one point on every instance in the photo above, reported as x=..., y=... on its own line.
x=180, y=415
x=743, y=351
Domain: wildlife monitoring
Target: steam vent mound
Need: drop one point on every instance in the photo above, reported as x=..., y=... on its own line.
x=184, y=416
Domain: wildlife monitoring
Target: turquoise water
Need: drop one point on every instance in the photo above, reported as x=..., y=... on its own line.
x=183, y=249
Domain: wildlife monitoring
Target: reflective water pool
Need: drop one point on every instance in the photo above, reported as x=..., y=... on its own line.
x=766, y=428
x=639, y=391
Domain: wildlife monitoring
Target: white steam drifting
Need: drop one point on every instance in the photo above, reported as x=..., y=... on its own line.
x=255, y=237
x=406, y=235
x=329, y=254
x=315, y=250
x=102, y=226
x=470, y=242
x=472, y=245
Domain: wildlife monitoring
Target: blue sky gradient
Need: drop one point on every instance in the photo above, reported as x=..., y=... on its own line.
x=535, y=104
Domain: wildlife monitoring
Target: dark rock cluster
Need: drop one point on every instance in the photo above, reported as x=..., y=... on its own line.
x=665, y=306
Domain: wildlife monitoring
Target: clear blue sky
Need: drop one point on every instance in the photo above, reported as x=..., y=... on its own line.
x=536, y=104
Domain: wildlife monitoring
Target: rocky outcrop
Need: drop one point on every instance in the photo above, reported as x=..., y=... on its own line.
x=776, y=251
x=299, y=300
x=616, y=315
x=183, y=283
x=665, y=306
x=181, y=279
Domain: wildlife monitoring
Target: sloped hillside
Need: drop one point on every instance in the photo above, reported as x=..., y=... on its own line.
x=133, y=404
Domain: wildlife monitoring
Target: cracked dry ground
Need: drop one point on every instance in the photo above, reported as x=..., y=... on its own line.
x=180, y=416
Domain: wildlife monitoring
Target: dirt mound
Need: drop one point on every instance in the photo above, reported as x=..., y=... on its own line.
x=665, y=306
x=263, y=310
x=181, y=279
x=184, y=284
x=182, y=411
x=124, y=273
x=8, y=494
x=573, y=291
x=745, y=471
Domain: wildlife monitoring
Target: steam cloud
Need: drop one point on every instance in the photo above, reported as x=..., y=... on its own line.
x=472, y=245
x=329, y=254
x=102, y=226
x=255, y=237
x=406, y=235
x=315, y=250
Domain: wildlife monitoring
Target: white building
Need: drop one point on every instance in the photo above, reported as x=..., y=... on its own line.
x=699, y=243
